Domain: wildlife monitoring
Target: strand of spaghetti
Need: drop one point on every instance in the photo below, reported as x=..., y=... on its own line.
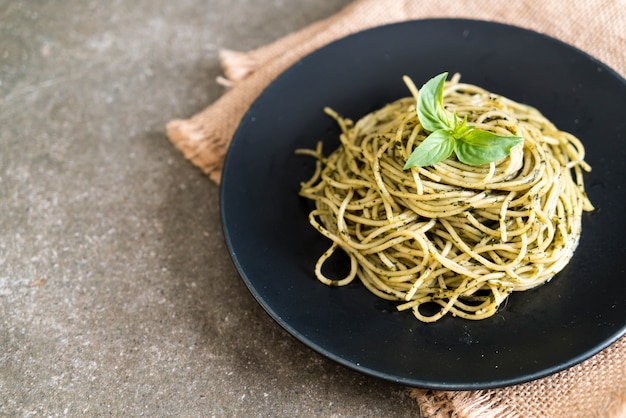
x=334, y=282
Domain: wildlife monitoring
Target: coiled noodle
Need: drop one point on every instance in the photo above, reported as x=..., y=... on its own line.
x=449, y=238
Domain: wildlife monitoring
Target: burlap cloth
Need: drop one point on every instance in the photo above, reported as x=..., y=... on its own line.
x=596, y=387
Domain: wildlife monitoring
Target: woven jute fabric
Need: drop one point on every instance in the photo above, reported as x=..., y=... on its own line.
x=595, y=387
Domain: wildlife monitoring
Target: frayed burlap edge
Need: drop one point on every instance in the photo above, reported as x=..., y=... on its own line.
x=438, y=404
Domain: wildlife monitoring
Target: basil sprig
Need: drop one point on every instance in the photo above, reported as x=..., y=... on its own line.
x=472, y=146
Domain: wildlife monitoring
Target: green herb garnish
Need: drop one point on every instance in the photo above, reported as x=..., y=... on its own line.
x=472, y=146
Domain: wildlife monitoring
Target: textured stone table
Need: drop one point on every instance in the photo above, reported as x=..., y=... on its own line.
x=117, y=294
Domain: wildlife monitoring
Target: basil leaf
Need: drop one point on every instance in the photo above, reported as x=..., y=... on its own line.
x=437, y=147
x=430, y=110
x=479, y=147
x=471, y=145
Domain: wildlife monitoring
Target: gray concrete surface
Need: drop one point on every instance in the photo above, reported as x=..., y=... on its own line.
x=117, y=294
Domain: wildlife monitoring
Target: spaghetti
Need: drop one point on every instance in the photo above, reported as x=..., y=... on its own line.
x=449, y=238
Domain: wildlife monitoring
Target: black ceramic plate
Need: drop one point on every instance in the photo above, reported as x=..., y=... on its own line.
x=539, y=332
